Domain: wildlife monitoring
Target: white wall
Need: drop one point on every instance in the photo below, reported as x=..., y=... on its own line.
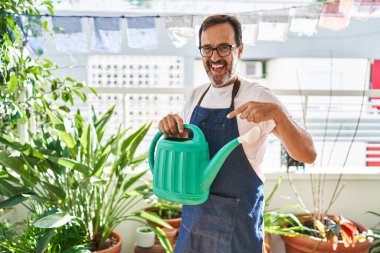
x=314, y=73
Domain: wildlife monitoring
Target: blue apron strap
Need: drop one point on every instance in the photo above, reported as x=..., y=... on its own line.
x=235, y=90
x=203, y=95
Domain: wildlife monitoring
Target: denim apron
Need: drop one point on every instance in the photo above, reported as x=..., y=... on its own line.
x=231, y=220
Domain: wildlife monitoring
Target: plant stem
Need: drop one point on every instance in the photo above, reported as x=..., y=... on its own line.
x=334, y=196
x=290, y=179
x=317, y=245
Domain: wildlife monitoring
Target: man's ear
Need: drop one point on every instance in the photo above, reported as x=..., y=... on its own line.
x=240, y=51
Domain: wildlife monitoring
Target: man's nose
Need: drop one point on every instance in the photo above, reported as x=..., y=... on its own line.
x=215, y=56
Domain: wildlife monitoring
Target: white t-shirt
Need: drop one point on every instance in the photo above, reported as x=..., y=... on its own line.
x=217, y=98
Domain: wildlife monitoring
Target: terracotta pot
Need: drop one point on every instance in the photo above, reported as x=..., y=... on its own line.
x=116, y=248
x=157, y=248
x=171, y=234
x=306, y=244
x=267, y=248
x=175, y=223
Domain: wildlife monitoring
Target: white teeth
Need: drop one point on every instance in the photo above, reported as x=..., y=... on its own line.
x=217, y=66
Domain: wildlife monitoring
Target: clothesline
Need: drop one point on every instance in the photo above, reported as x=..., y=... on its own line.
x=161, y=16
x=106, y=36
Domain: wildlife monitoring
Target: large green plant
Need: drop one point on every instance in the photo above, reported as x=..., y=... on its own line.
x=70, y=174
x=28, y=86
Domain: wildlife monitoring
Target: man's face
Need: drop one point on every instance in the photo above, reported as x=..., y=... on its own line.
x=220, y=70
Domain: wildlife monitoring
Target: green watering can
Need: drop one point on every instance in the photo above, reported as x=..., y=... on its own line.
x=182, y=170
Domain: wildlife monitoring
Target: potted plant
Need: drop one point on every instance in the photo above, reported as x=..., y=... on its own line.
x=55, y=174
x=168, y=212
x=279, y=221
x=327, y=232
x=145, y=237
x=336, y=235
x=69, y=175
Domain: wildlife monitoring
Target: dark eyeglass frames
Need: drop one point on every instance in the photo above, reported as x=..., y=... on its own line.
x=222, y=50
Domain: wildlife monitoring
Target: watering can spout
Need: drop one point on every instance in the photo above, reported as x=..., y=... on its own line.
x=213, y=166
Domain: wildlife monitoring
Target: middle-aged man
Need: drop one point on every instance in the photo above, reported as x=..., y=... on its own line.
x=231, y=220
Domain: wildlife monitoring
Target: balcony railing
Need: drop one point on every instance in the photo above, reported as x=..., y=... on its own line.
x=334, y=119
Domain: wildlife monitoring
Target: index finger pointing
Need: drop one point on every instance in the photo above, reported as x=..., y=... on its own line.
x=237, y=111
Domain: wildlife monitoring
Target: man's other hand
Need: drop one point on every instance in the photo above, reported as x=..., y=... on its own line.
x=168, y=125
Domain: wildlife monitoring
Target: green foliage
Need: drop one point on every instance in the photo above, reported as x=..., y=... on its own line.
x=145, y=230
x=163, y=208
x=23, y=237
x=280, y=222
x=28, y=85
x=168, y=210
x=375, y=247
x=69, y=171
x=77, y=185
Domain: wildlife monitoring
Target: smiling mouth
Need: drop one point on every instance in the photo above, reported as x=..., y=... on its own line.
x=217, y=67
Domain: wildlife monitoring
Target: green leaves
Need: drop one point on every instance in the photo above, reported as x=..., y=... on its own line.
x=102, y=160
x=152, y=217
x=81, y=95
x=44, y=242
x=129, y=146
x=71, y=164
x=269, y=198
x=85, y=141
x=18, y=199
x=8, y=188
x=56, y=120
x=53, y=219
x=131, y=181
x=58, y=191
x=12, y=82
x=15, y=163
x=12, y=201
x=280, y=223
x=100, y=124
x=68, y=167
x=67, y=139
x=163, y=239
x=44, y=173
x=284, y=231
x=374, y=213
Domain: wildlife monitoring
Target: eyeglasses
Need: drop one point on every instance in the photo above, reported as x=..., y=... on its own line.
x=222, y=50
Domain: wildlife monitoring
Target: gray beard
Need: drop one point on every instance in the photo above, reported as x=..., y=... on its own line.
x=228, y=77
x=223, y=82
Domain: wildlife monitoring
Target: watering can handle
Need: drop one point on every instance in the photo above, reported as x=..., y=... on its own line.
x=198, y=137
x=152, y=148
x=198, y=134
